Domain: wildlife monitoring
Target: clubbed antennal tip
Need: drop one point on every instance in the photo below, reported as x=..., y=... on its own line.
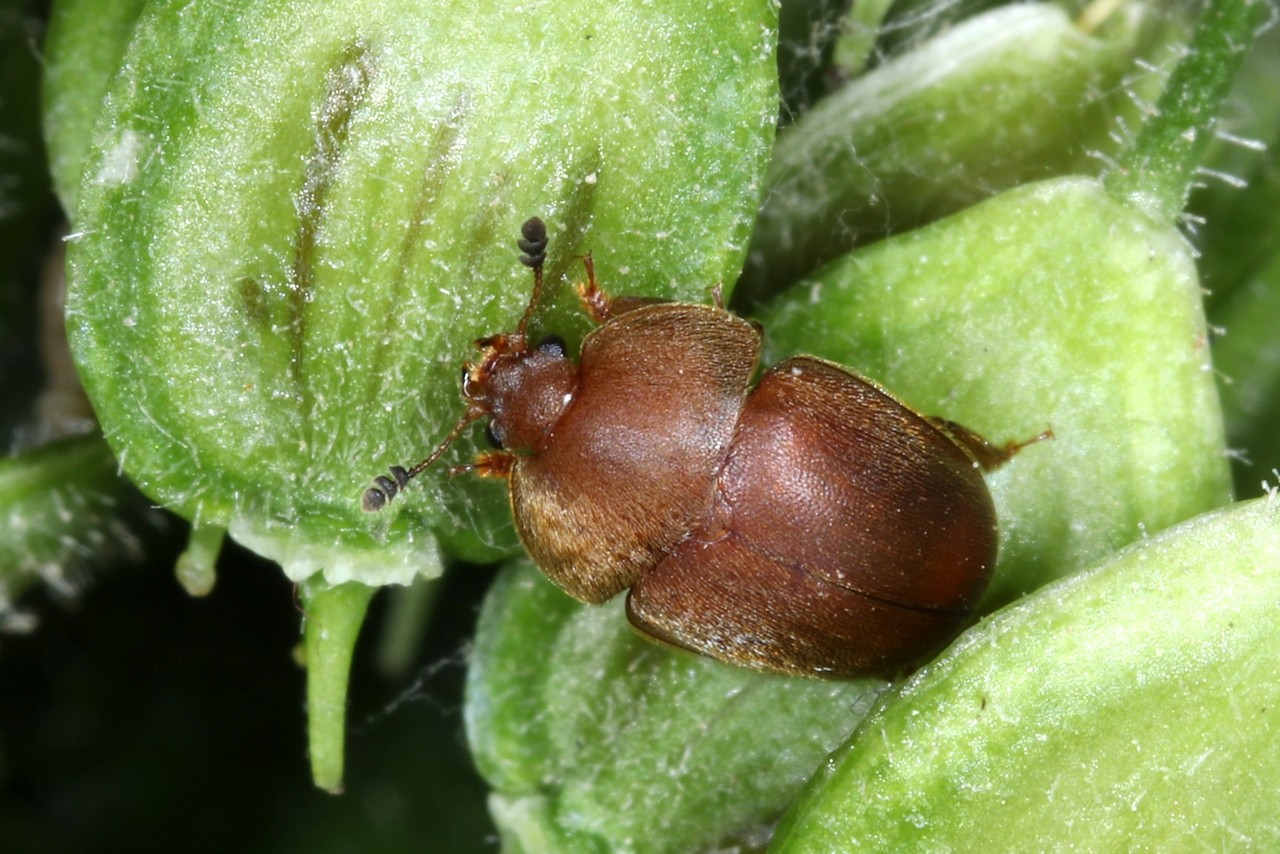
x=384, y=489
x=533, y=242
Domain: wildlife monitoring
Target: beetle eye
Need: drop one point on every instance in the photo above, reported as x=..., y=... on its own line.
x=491, y=437
x=552, y=345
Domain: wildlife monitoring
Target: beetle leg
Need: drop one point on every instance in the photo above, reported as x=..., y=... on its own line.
x=593, y=297
x=599, y=305
x=987, y=455
x=489, y=464
x=717, y=295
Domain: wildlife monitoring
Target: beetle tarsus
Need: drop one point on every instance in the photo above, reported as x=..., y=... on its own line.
x=599, y=305
x=495, y=464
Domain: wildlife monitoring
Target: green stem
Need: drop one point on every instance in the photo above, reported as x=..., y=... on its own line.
x=333, y=619
x=1156, y=171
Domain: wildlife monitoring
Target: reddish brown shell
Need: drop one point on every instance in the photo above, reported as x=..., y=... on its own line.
x=631, y=465
x=848, y=535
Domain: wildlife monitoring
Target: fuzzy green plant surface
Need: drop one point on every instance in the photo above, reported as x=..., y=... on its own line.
x=290, y=221
x=1071, y=303
x=1132, y=705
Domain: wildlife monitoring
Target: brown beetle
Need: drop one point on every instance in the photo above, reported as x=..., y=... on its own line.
x=811, y=525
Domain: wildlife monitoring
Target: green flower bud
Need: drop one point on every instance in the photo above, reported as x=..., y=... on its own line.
x=1015, y=94
x=83, y=50
x=1130, y=704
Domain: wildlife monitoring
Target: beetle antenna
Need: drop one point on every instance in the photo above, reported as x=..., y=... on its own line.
x=385, y=488
x=533, y=245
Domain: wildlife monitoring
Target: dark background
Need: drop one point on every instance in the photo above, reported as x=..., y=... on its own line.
x=140, y=719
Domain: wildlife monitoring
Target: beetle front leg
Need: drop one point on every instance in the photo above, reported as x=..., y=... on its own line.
x=594, y=299
x=488, y=464
x=601, y=307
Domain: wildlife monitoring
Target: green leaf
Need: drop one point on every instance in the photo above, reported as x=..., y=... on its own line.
x=1133, y=704
x=1048, y=306
x=596, y=740
x=296, y=218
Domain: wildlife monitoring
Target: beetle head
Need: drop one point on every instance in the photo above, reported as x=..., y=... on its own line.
x=522, y=389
